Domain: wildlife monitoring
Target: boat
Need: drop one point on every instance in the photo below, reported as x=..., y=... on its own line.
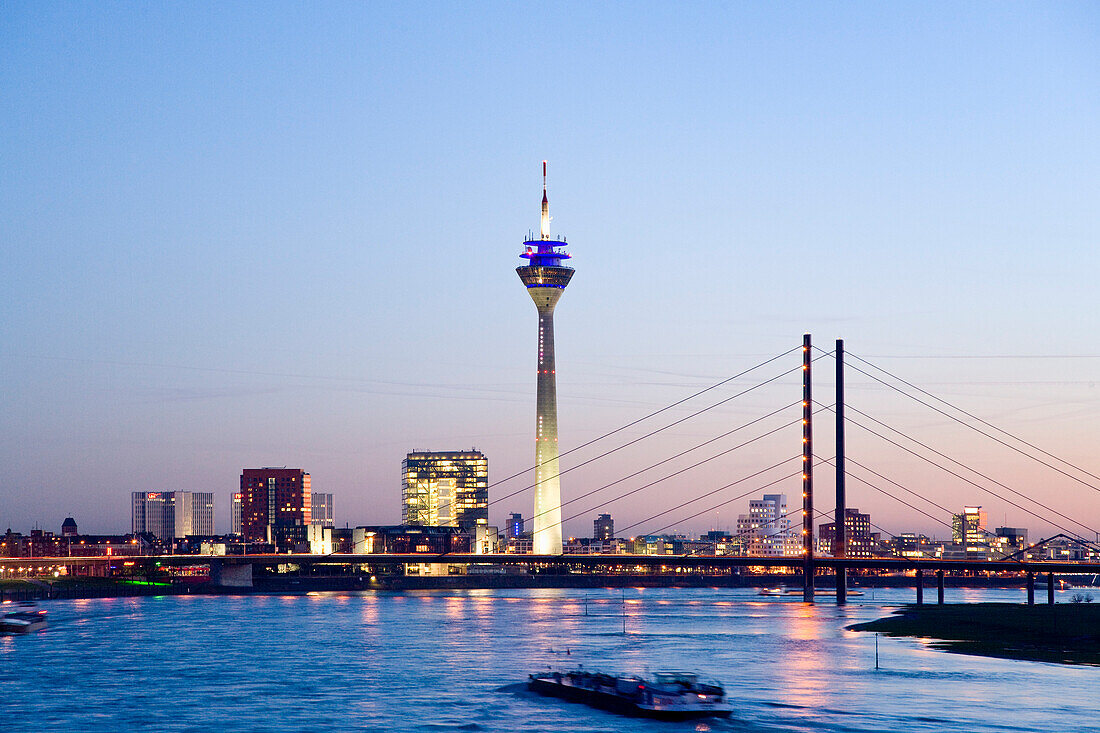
x=770, y=592
x=668, y=696
x=29, y=618
x=823, y=592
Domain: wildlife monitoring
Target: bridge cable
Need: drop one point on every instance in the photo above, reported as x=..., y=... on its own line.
x=895, y=498
x=680, y=471
x=961, y=477
x=656, y=412
x=986, y=532
x=975, y=471
x=674, y=473
x=715, y=491
x=657, y=481
x=721, y=488
x=1029, y=513
x=730, y=501
x=636, y=440
x=980, y=420
x=831, y=515
x=642, y=419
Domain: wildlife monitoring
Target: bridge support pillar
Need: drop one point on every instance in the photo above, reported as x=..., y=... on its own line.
x=230, y=576
x=920, y=587
x=1050, y=588
x=1030, y=588
x=939, y=587
x=841, y=586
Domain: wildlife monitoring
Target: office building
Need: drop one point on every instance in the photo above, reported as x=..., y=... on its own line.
x=1015, y=538
x=514, y=528
x=323, y=511
x=858, y=539
x=235, y=513
x=971, y=540
x=603, y=527
x=767, y=530
x=172, y=514
x=913, y=544
x=275, y=505
x=968, y=529
x=445, y=489
x=546, y=276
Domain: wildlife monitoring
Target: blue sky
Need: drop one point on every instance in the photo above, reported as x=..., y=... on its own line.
x=275, y=234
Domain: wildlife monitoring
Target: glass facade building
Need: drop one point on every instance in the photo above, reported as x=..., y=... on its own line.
x=445, y=489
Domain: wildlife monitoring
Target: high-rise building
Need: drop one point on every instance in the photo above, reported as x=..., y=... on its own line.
x=68, y=528
x=323, y=510
x=767, y=530
x=445, y=489
x=968, y=529
x=546, y=276
x=514, y=528
x=172, y=514
x=603, y=527
x=859, y=540
x=970, y=538
x=274, y=501
x=235, y=513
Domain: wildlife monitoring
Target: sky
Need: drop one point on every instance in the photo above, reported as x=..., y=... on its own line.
x=264, y=234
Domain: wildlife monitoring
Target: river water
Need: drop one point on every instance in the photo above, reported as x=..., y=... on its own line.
x=451, y=661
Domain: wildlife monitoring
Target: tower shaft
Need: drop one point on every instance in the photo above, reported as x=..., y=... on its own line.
x=547, y=531
x=547, y=535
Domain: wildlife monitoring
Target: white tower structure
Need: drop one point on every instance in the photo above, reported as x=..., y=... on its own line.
x=546, y=277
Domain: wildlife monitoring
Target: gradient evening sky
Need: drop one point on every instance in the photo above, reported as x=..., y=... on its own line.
x=251, y=234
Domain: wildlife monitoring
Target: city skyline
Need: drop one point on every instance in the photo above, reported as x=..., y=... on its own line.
x=226, y=257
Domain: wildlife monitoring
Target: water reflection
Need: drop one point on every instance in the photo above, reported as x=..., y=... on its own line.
x=438, y=661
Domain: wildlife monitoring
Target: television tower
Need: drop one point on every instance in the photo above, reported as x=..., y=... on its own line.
x=546, y=277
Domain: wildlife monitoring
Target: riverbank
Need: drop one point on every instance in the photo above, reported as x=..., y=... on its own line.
x=42, y=590
x=1067, y=633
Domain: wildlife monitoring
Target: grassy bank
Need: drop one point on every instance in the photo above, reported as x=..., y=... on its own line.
x=1063, y=633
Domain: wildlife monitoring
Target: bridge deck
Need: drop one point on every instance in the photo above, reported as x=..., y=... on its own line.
x=666, y=562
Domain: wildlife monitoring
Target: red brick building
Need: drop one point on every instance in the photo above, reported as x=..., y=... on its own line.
x=273, y=502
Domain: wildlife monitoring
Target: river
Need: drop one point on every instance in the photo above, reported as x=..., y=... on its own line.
x=451, y=661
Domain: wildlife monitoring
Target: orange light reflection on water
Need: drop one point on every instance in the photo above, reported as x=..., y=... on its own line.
x=454, y=608
x=801, y=666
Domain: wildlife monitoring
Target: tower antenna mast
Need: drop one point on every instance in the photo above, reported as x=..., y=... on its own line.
x=544, y=222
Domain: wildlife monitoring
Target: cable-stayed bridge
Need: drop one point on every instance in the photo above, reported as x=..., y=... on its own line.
x=660, y=480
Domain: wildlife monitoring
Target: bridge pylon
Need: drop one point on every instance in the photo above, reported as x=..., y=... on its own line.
x=807, y=472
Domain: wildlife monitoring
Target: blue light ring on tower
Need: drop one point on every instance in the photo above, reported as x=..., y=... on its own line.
x=545, y=252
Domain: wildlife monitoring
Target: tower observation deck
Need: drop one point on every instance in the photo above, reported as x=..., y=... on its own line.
x=546, y=277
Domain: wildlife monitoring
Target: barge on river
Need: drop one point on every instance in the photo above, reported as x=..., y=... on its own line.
x=669, y=695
